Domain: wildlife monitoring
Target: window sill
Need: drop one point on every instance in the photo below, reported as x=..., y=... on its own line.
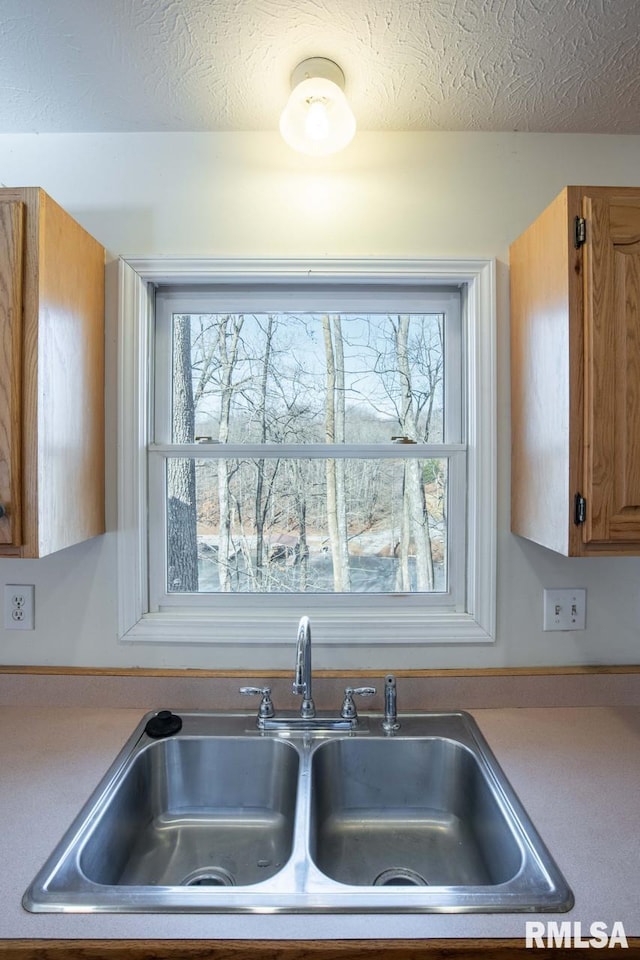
x=339, y=629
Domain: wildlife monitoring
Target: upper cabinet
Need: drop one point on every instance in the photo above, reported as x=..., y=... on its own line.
x=575, y=374
x=51, y=377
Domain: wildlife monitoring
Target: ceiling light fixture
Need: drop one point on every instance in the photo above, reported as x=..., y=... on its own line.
x=317, y=118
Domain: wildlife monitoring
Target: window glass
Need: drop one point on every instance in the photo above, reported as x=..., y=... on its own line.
x=289, y=378
x=277, y=523
x=283, y=525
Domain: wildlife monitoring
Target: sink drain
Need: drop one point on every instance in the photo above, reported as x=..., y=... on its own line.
x=399, y=877
x=209, y=877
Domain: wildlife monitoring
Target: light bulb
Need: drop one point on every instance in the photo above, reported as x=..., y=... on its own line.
x=317, y=119
x=316, y=124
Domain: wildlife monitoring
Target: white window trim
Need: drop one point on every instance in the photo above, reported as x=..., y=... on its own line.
x=332, y=299
x=137, y=280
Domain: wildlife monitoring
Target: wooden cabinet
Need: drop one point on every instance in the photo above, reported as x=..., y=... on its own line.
x=575, y=374
x=51, y=377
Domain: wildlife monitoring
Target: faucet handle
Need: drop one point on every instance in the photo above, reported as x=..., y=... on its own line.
x=349, y=711
x=266, y=709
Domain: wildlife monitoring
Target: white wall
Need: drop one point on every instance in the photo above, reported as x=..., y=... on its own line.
x=404, y=195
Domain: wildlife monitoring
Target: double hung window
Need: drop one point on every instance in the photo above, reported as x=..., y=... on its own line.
x=310, y=450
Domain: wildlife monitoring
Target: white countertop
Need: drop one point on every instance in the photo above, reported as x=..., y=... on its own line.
x=576, y=770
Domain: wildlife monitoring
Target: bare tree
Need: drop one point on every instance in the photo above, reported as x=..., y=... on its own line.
x=260, y=507
x=334, y=433
x=229, y=329
x=182, y=544
x=300, y=496
x=413, y=485
x=403, y=574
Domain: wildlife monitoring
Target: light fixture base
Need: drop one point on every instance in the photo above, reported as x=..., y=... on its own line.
x=317, y=67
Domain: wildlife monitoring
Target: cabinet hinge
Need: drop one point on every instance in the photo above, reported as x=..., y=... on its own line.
x=580, y=513
x=580, y=232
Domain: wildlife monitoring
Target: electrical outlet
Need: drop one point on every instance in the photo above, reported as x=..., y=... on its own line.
x=19, y=601
x=565, y=609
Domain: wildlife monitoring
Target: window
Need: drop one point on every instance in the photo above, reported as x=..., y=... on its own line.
x=307, y=441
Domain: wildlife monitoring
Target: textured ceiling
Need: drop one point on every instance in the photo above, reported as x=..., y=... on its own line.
x=197, y=65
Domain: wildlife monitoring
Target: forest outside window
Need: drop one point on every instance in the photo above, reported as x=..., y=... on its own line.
x=312, y=448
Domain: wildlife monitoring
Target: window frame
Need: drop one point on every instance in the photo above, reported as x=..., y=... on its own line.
x=421, y=624
x=170, y=300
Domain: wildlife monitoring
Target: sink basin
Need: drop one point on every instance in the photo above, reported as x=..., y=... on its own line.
x=411, y=812
x=207, y=811
x=223, y=817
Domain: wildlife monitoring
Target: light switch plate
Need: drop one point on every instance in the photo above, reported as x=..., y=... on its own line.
x=565, y=609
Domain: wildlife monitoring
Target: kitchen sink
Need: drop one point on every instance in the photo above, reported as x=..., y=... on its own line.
x=208, y=811
x=221, y=816
x=408, y=812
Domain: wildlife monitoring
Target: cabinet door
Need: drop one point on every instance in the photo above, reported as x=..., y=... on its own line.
x=11, y=255
x=612, y=368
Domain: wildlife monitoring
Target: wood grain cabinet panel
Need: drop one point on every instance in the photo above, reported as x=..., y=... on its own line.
x=51, y=377
x=575, y=374
x=11, y=248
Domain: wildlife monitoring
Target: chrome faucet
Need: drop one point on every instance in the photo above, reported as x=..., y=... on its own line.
x=302, y=682
x=302, y=676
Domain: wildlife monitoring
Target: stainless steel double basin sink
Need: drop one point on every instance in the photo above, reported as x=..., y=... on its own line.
x=222, y=817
